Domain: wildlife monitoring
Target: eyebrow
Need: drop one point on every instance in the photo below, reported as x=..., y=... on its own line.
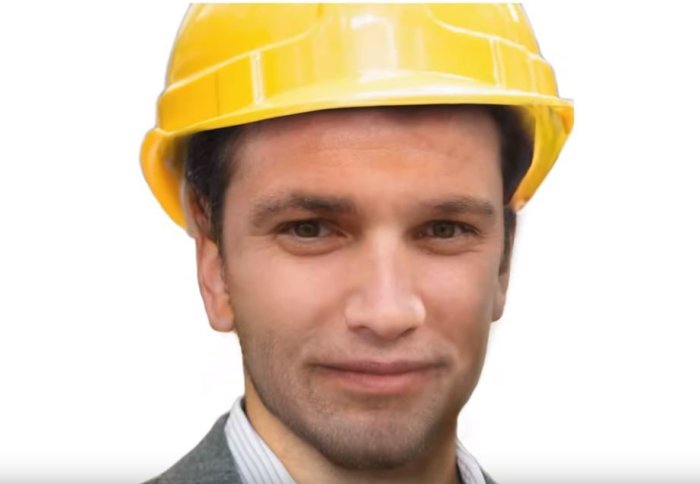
x=459, y=205
x=332, y=205
x=328, y=205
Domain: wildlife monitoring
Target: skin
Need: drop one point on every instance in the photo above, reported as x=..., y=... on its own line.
x=361, y=268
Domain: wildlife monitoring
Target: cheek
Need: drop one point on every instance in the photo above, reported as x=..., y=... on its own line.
x=459, y=295
x=283, y=297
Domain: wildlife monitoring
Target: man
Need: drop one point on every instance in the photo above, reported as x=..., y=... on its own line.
x=359, y=254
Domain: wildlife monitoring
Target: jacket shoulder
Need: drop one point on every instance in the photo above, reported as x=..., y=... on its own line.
x=210, y=462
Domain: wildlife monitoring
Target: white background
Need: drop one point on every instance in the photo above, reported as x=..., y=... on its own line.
x=108, y=369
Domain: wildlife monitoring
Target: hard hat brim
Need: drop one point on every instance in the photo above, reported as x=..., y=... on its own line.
x=552, y=117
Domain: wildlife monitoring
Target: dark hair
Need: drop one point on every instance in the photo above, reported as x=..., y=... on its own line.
x=210, y=165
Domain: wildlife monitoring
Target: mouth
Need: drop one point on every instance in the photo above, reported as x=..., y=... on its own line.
x=381, y=378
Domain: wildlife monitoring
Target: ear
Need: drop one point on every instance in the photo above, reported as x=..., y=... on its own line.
x=504, y=268
x=499, y=301
x=212, y=285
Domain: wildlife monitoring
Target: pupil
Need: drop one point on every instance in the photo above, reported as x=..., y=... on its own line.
x=306, y=229
x=444, y=230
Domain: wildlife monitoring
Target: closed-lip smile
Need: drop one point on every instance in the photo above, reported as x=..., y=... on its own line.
x=379, y=377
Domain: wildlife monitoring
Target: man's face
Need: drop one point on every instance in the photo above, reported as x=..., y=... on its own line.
x=361, y=270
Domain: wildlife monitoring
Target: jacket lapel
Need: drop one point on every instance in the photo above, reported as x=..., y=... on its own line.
x=210, y=462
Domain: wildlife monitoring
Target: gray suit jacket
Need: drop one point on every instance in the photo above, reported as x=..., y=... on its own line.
x=211, y=462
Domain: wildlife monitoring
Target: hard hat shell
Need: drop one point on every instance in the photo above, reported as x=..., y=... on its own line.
x=236, y=64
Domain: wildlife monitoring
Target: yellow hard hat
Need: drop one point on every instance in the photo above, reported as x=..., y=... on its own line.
x=235, y=64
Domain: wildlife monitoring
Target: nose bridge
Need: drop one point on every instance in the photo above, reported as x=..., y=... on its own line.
x=384, y=300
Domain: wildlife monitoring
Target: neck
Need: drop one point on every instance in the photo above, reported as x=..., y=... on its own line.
x=436, y=464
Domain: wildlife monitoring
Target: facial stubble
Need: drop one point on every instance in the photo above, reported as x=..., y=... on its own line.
x=353, y=433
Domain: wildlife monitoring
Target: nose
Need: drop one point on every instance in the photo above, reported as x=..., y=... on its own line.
x=384, y=303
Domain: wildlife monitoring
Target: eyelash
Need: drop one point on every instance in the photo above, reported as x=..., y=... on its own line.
x=288, y=227
x=463, y=228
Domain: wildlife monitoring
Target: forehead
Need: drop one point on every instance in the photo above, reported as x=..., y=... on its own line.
x=433, y=147
x=440, y=129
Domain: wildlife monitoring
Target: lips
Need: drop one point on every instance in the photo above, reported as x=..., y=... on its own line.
x=379, y=377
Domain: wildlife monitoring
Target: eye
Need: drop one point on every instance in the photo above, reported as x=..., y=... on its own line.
x=448, y=237
x=307, y=229
x=310, y=237
x=445, y=229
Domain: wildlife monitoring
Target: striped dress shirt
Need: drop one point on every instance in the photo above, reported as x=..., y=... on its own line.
x=259, y=465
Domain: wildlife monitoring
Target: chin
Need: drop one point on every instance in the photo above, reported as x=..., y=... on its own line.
x=383, y=447
x=374, y=437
